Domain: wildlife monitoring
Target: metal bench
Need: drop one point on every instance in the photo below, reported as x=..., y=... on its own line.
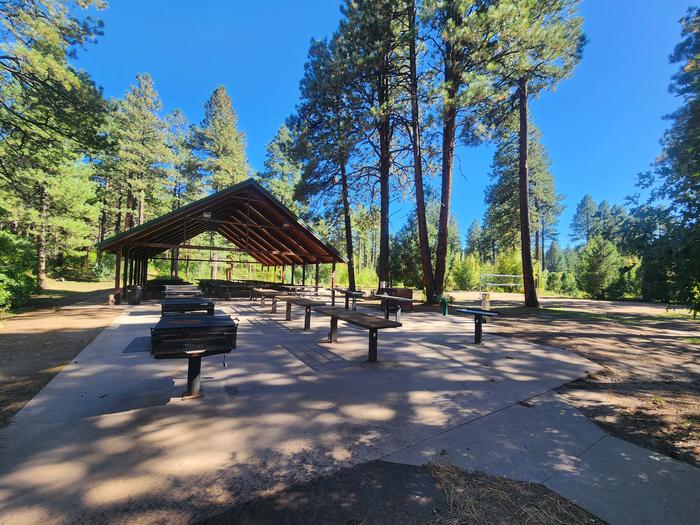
x=389, y=300
x=192, y=337
x=478, y=320
x=186, y=304
x=298, y=301
x=363, y=320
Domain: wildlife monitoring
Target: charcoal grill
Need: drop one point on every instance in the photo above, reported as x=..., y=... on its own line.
x=192, y=337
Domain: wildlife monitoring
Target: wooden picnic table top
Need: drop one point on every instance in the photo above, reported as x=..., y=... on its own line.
x=476, y=311
x=358, y=318
x=345, y=291
x=267, y=291
x=300, y=301
x=393, y=298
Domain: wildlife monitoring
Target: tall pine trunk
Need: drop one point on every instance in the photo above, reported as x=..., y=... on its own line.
x=525, y=238
x=41, y=241
x=345, y=196
x=142, y=209
x=384, y=172
x=423, y=242
x=449, y=124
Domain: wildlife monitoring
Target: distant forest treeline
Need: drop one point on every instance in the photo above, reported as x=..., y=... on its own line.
x=383, y=104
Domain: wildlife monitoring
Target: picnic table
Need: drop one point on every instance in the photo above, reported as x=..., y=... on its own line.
x=299, y=301
x=349, y=295
x=388, y=300
x=361, y=319
x=265, y=293
x=479, y=315
x=186, y=304
x=193, y=337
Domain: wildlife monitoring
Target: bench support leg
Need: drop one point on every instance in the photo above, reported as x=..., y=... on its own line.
x=194, y=381
x=354, y=304
x=478, y=320
x=333, y=334
x=398, y=312
x=307, y=318
x=372, y=358
x=288, y=312
x=274, y=305
x=347, y=302
x=332, y=297
x=386, y=309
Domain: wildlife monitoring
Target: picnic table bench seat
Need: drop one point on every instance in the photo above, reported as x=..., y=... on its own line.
x=361, y=319
x=350, y=295
x=479, y=315
x=393, y=300
x=297, y=300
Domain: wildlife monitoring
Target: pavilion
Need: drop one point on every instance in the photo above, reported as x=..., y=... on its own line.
x=249, y=217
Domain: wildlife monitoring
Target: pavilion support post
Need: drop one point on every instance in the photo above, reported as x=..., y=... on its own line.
x=282, y=275
x=317, y=276
x=117, y=275
x=145, y=272
x=333, y=284
x=137, y=272
x=293, y=267
x=125, y=274
x=303, y=274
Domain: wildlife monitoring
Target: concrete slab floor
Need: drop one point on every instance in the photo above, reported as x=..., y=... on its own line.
x=110, y=440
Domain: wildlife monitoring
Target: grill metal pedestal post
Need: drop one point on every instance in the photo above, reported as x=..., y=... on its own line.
x=194, y=377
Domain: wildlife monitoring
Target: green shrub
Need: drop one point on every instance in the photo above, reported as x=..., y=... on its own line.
x=16, y=264
x=598, y=268
x=467, y=272
x=554, y=281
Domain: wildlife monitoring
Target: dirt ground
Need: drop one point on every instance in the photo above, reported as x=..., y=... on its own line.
x=38, y=341
x=649, y=391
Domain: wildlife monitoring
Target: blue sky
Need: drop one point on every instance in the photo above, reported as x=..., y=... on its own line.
x=601, y=127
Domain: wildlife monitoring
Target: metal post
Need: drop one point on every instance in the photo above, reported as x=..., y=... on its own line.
x=288, y=312
x=307, y=318
x=372, y=358
x=333, y=284
x=194, y=381
x=293, y=266
x=333, y=334
x=477, y=329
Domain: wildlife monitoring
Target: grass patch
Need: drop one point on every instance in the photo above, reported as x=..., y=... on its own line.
x=630, y=319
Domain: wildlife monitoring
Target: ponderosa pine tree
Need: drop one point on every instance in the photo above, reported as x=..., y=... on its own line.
x=45, y=103
x=502, y=195
x=536, y=44
x=221, y=143
x=326, y=135
x=372, y=37
x=139, y=133
x=185, y=178
x=584, y=223
x=461, y=53
x=282, y=172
